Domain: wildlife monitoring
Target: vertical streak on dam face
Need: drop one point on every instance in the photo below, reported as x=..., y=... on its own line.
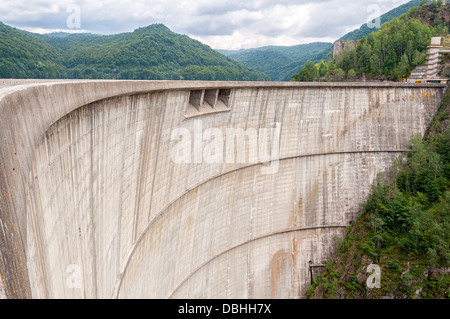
x=108, y=213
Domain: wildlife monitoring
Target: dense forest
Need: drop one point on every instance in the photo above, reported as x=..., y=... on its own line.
x=150, y=53
x=23, y=56
x=392, y=52
x=404, y=228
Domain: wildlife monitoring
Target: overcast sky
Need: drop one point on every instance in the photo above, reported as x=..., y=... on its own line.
x=221, y=24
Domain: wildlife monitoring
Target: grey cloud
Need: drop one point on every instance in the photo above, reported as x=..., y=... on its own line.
x=266, y=19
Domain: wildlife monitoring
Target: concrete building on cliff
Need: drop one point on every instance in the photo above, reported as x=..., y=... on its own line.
x=430, y=71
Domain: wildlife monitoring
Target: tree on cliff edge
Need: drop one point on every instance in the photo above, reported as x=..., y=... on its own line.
x=307, y=74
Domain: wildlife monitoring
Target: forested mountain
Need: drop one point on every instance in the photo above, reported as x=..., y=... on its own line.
x=23, y=56
x=392, y=52
x=364, y=30
x=279, y=62
x=153, y=52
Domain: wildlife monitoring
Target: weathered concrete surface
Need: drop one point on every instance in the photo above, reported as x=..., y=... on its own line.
x=2, y=291
x=93, y=205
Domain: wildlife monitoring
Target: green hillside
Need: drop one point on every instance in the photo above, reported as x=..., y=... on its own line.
x=279, y=62
x=392, y=52
x=23, y=56
x=150, y=53
x=364, y=30
x=389, y=54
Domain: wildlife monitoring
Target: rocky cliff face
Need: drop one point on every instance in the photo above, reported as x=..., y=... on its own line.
x=344, y=46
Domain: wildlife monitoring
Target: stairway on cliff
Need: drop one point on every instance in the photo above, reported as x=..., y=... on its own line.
x=432, y=70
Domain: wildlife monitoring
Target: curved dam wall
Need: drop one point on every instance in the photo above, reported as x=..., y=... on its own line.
x=139, y=189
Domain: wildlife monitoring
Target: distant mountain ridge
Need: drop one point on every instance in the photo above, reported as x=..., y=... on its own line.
x=150, y=53
x=364, y=30
x=277, y=61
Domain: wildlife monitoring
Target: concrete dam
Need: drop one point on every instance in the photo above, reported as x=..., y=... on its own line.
x=105, y=194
